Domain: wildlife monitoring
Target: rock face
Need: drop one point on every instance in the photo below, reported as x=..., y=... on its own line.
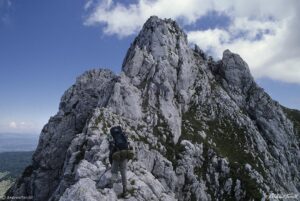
x=201, y=129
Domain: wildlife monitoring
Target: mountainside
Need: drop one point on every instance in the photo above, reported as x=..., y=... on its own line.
x=202, y=129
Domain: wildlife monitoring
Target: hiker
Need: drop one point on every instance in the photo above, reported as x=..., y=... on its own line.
x=119, y=153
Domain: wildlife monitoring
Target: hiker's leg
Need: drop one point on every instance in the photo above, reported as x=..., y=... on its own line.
x=114, y=171
x=123, y=170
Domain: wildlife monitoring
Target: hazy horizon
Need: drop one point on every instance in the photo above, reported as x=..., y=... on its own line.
x=11, y=142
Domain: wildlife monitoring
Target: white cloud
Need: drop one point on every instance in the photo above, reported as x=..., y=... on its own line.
x=12, y=125
x=20, y=127
x=275, y=55
x=124, y=20
x=88, y=5
x=264, y=32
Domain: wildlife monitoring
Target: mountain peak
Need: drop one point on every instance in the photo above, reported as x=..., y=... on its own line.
x=155, y=22
x=164, y=28
x=202, y=130
x=157, y=39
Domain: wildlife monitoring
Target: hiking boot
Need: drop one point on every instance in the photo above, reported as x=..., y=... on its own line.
x=125, y=194
x=125, y=190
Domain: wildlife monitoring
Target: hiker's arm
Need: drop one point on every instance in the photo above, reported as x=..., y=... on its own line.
x=130, y=142
x=111, y=144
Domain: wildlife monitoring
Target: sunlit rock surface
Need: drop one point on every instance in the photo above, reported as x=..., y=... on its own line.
x=201, y=129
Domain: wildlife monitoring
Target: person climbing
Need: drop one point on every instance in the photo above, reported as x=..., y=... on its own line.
x=119, y=153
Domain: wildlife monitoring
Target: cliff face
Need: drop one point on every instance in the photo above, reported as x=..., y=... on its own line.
x=202, y=129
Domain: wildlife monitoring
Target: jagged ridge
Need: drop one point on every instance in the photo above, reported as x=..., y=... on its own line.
x=202, y=129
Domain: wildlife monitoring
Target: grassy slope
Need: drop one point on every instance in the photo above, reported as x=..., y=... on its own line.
x=230, y=143
x=294, y=116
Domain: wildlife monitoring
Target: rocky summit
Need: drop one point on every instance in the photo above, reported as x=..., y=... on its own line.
x=201, y=129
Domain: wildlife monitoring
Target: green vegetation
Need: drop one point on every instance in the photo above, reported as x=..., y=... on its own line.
x=131, y=191
x=132, y=182
x=230, y=142
x=80, y=154
x=14, y=162
x=294, y=116
x=237, y=155
x=101, y=119
x=172, y=150
x=11, y=166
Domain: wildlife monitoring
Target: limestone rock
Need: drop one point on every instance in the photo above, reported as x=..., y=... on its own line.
x=201, y=129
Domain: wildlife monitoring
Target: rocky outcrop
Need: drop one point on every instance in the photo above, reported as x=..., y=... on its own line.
x=202, y=129
x=76, y=107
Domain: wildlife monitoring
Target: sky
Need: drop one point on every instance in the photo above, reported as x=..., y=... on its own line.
x=45, y=45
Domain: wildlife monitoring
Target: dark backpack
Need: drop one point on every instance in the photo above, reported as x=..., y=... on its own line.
x=120, y=139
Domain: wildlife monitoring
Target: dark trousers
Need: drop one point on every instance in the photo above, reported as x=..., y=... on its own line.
x=119, y=165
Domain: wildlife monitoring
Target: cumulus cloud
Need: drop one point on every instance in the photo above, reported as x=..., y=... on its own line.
x=12, y=124
x=270, y=46
x=125, y=20
x=20, y=127
x=264, y=32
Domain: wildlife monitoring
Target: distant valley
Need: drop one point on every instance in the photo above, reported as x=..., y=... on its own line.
x=15, y=154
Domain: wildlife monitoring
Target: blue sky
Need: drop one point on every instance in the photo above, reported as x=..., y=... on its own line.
x=45, y=45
